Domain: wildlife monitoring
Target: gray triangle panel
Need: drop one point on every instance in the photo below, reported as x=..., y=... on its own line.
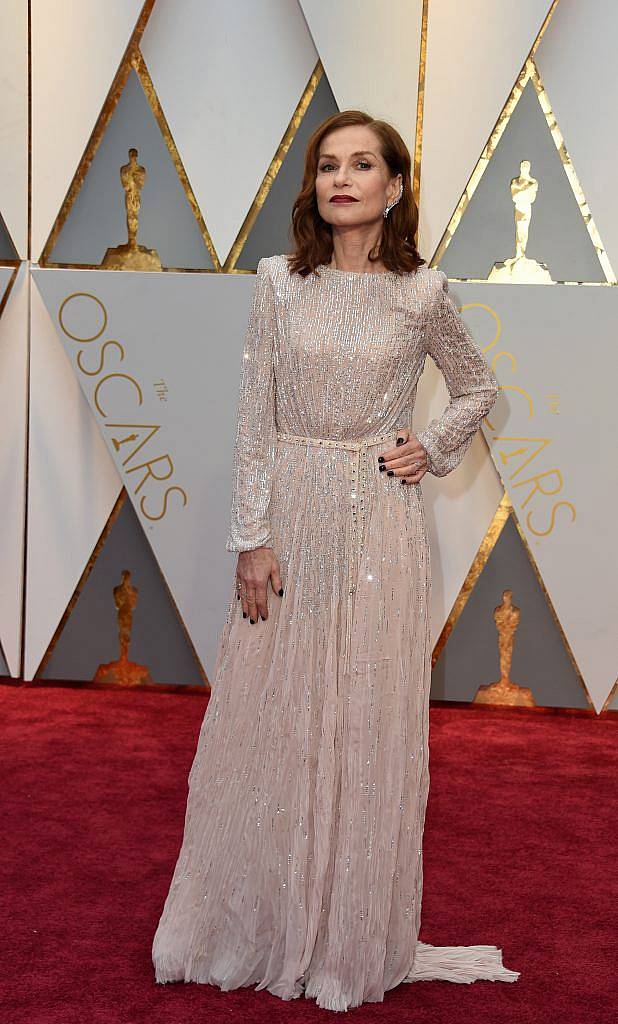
x=97, y=220
x=470, y=656
x=90, y=635
x=271, y=231
x=557, y=235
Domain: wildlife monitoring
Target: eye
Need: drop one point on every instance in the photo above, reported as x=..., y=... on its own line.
x=325, y=167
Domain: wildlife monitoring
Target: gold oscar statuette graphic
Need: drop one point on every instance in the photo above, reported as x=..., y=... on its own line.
x=132, y=256
x=124, y=672
x=506, y=617
x=520, y=269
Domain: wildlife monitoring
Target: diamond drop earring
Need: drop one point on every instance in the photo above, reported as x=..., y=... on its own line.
x=388, y=208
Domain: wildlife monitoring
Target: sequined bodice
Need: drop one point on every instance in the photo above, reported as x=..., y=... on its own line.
x=339, y=356
x=348, y=350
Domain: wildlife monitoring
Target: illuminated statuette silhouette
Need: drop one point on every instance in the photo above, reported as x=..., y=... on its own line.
x=519, y=269
x=506, y=617
x=124, y=672
x=132, y=256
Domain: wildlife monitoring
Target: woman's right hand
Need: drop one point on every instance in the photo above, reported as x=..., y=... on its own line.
x=253, y=571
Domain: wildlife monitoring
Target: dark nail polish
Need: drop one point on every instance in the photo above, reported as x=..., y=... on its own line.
x=253, y=621
x=238, y=597
x=381, y=468
x=281, y=592
x=244, y=615
x=390, y=472
x=380, y=458
x=400, y=440
x=263, y=617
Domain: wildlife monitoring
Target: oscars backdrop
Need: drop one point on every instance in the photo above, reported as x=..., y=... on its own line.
x=150, y=155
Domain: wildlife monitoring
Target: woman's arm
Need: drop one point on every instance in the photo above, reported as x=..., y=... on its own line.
x=472, y=386
x=256, y=436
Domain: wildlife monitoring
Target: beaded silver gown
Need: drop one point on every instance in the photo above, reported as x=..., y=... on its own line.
x=301, y=867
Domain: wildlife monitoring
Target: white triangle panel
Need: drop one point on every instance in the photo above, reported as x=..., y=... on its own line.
x=553, y=436
x=169, y=420
x=13, y=398
x=14, y=121
x=85, y=41
x=229, y=77
x=346, y=35
x=72, y=485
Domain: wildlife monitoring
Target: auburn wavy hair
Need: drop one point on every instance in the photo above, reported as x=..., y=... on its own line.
x=312, y=235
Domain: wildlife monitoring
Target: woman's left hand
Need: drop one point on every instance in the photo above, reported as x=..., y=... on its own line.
x=407, y=461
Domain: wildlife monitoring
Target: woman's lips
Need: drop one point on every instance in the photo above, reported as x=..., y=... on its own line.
x=343, y=199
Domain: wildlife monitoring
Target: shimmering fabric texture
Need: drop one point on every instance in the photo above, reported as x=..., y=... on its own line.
x=301, y=868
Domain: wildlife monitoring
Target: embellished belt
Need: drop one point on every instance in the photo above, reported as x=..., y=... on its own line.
x=332, y=442
x=357, y=509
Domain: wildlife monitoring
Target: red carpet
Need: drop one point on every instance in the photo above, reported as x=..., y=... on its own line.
x=517, y=853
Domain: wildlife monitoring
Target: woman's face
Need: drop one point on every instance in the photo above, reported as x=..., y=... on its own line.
x=350, y=164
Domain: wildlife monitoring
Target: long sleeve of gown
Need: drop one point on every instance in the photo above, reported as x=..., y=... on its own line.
x=471, y=383
x=256, y=435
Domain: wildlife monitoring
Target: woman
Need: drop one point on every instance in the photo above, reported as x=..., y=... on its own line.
x=301, y=865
